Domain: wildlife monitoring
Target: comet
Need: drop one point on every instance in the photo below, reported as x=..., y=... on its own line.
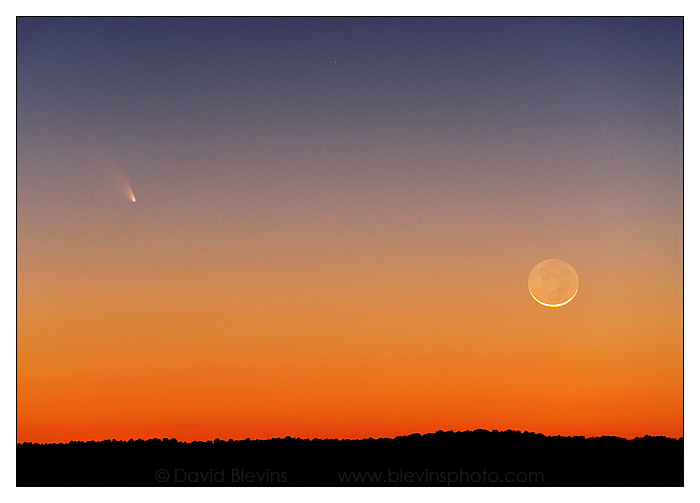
x=129, y=192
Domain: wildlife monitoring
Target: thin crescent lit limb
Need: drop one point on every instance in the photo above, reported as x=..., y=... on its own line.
x=554, y=305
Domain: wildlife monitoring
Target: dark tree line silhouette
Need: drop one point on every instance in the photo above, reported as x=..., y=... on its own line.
x=468, y=458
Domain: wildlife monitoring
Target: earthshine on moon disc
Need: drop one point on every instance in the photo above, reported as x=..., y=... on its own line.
x=553, y=283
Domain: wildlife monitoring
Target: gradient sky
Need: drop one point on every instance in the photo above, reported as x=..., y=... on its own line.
x=335, y=221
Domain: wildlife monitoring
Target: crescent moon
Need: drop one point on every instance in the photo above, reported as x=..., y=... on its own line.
x=553, y=283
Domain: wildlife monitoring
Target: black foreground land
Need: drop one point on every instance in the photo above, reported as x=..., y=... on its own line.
x=469, y=458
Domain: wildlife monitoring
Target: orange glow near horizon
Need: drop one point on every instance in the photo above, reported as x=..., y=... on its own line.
x=341, y=346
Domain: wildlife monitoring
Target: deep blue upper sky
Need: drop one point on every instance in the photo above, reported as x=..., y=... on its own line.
x=202, y=74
